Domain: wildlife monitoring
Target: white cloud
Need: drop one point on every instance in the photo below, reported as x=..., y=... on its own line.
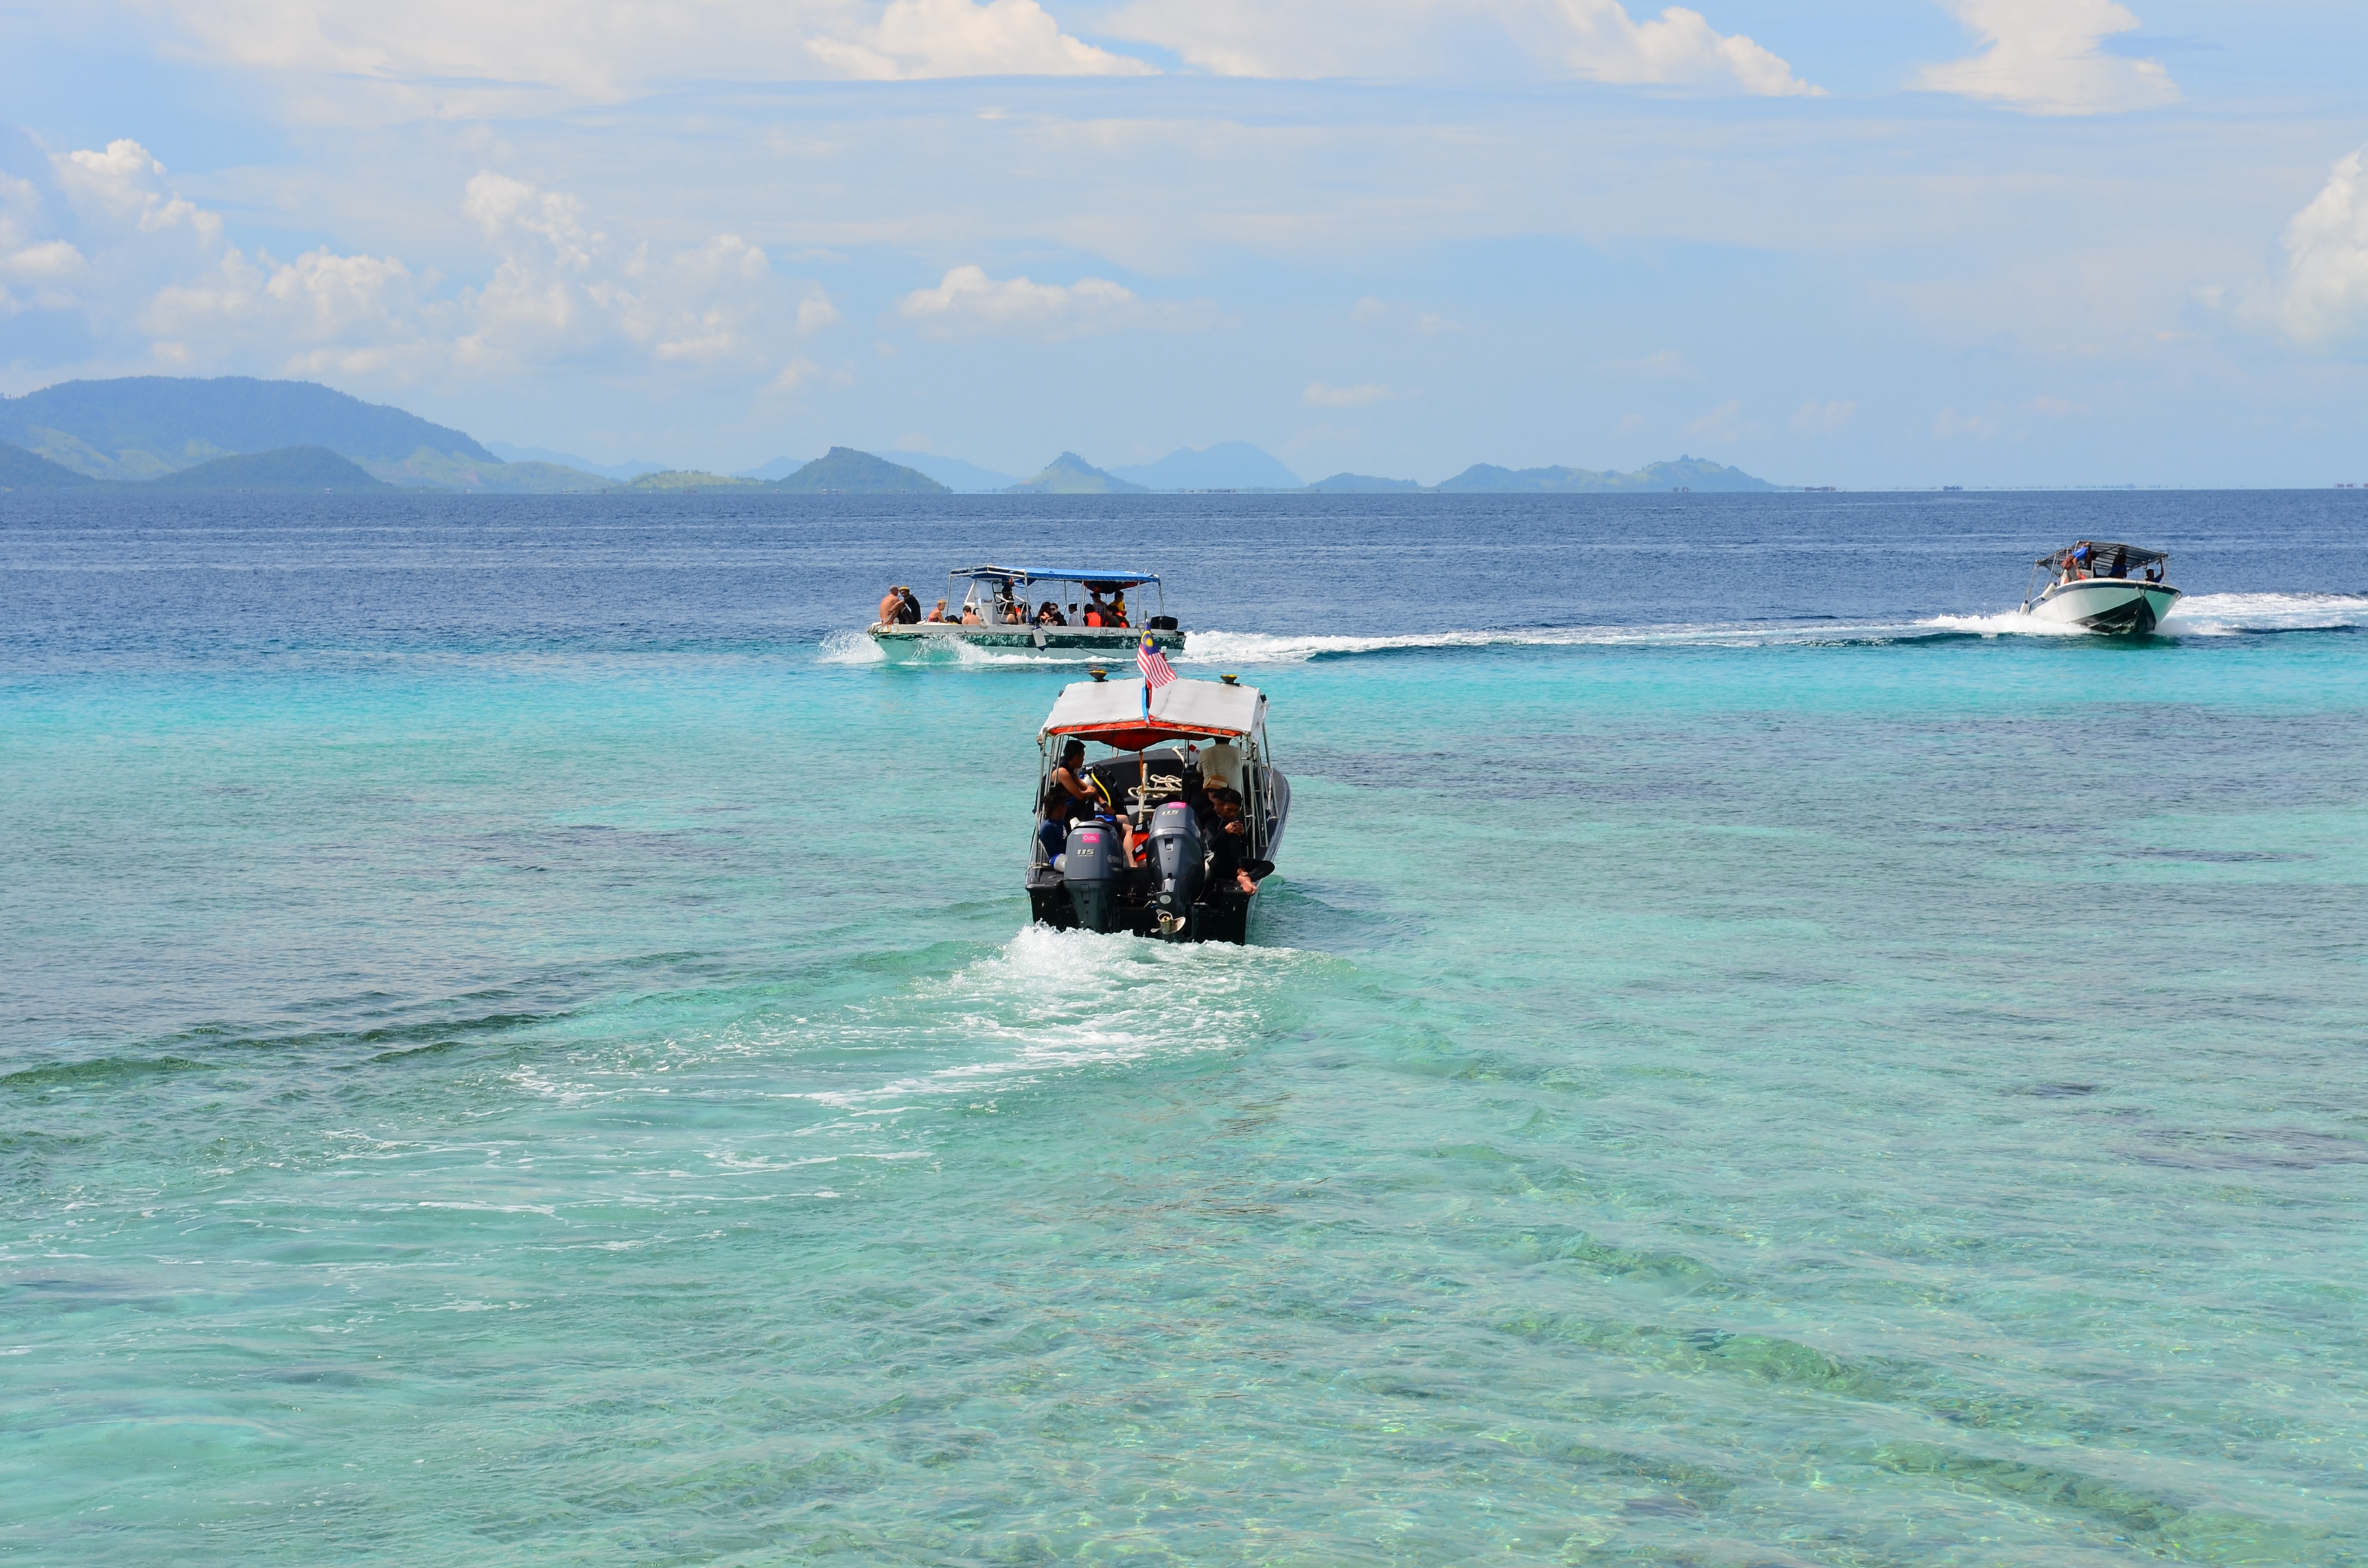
x=1724, y=423
x=956, y=38
x=2325, y=293
x=966, y=302
x=1318, y=395
x=1591, y=40
x=1665, y=365
x=153, y=279
x=1813, y=418
x=2047, y=57
x=1948, y=424
x=442, y=59
x=795, y=374
x=2057, y=407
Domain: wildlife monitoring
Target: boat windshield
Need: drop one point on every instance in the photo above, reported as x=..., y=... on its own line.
x=2103, y=559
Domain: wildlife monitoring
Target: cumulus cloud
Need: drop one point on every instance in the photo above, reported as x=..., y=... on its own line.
x=443, y=57
x=105, y=241
x=1318, y=395
x=958, y=38
x=1814, y=418
x=1595, y=40
x=966, y=302
x=2323, y=296
x=1724, y=423
x=2047, y=57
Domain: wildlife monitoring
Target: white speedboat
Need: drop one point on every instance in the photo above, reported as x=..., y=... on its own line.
x=1146, y=858
x=2098, y=586
x=1010, y=606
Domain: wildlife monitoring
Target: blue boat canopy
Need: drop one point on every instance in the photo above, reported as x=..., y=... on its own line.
x=1099, y=578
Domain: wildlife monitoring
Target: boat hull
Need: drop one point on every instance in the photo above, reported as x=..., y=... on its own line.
x=927, y=635
x=2112, y=606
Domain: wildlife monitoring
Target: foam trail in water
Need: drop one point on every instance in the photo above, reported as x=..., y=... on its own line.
x=1060, y=1000
x=851, y=648
x=2223, y=614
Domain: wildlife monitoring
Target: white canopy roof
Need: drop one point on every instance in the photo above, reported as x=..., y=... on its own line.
x=1111, y=712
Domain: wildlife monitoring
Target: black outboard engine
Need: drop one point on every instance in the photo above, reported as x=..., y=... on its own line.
x=1093, y=867
x=1178, y=863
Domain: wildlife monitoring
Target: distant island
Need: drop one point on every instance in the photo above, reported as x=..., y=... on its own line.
x=153, y=434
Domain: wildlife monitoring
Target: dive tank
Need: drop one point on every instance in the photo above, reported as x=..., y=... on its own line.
x=1093, y=867
x=1177, y=860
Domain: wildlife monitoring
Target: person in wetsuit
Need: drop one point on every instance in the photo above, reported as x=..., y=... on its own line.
x=908, y=607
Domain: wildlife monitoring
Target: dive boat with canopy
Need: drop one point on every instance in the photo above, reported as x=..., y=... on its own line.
x=1009, y=602
x=1142, y=858
x=2099, y=585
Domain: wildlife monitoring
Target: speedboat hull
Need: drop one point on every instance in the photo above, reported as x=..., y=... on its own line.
x=2115, y=606
x=924, y=636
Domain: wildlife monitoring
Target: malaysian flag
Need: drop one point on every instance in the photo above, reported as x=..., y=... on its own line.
x=1154, y=665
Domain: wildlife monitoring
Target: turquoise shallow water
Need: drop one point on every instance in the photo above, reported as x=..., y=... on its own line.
x=1851, y=1093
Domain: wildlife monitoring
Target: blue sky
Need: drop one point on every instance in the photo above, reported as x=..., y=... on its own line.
x=1983, y=242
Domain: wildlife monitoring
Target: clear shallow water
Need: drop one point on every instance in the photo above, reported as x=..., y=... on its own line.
x=514, y=1048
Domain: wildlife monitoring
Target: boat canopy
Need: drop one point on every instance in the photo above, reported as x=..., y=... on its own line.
x=1111, y=712
x=2101, y=552
x=1103, y=578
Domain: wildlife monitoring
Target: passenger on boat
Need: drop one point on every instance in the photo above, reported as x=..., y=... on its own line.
x=1049, y=614
x=890, y=603
x=1097, y=612
x=908, y=608
x=1229, y=844
x=1015, y=614
x=2120, y=565
x=970, y=614
x=1118, y=608
x=1066, y=798
x=938, y=614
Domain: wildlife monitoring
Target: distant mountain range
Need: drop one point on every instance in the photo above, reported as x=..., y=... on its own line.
x=295, y=469
x=142, y=429
x=1228, y=465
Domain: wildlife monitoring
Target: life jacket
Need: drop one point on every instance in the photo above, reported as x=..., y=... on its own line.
x=1094, y=616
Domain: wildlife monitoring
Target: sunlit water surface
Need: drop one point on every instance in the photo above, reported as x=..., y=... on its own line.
x=519, y=1045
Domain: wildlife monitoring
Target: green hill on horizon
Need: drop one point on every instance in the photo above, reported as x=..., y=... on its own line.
x=141, y=426
x=1689, y=472
x=843, y=471
x=1070, y=474
x=21, y=470
x=688, y=479
x=305, y=469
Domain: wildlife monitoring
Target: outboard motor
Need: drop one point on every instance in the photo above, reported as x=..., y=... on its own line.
x=1178, y=864
x=1092, y=868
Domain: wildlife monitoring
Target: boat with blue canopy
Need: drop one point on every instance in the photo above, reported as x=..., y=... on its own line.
x=1039, y=606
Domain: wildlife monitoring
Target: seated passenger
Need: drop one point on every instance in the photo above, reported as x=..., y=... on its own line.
x=937, y=615
x=908, y=608
x=1066, y=798
x=970, y=614
x=1049, y=614
x=890, y=603
x=1118, y=608
x=1229, y=845
x=1097, y=612
x=1013, y=614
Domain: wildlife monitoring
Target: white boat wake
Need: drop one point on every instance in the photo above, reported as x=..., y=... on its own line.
x=2199, y=615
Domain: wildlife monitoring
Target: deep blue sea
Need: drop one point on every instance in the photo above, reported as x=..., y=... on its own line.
x=521, y=1043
